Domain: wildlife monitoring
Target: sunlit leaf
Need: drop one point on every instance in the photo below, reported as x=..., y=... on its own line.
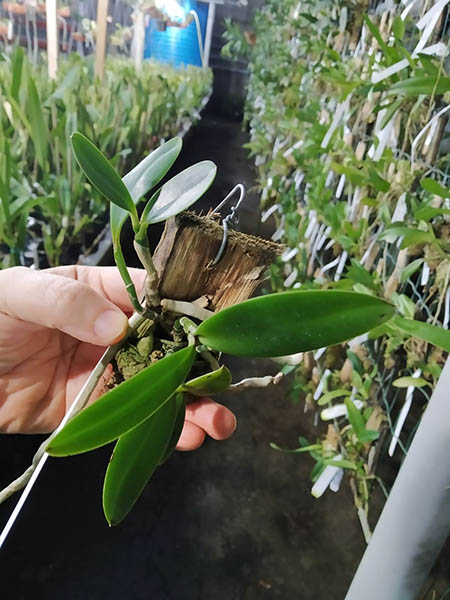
x=290, y=322
x=438, y=336
x=101, y=173
x=143, y=177
x=180, y=192
x=124, y=407
x=134, y=459
x=152, y=168
x=210, y=383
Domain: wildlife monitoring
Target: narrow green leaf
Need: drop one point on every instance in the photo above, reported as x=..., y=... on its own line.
x=410, y=236
x=410, y=269
x=124, y=407
x=404, y=382
x=38, y=124
x=416, y=86
x=135, y=457
x=377, y=35
x=343, y=463
x=355, y=417
x=432, y=186
x=390, y=112
x=328, y=396
x=290, y=322
x=438, y=336
x=180, y=192
x=143, y=177
x=356, y=362
x=211, y=383
x=398, y=27
x=16, y=67
x=178, y=428
x=101, y=173
x=296, y=450
x=368, y=435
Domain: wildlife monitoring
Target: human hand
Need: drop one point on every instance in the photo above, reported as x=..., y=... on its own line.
x=54, y=326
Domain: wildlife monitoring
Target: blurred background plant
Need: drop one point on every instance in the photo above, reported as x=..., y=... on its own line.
x=347, y=116
x=48, y=214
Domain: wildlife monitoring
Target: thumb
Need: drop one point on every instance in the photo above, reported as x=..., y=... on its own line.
x=60, y=303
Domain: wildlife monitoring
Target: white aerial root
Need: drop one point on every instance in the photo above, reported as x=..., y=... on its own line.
x=186, y=308
x=256, y=382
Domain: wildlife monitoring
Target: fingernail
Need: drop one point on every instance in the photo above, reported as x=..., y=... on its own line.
x=110, y=326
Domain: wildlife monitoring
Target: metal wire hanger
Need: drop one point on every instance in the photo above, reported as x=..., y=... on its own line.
x=231, y=220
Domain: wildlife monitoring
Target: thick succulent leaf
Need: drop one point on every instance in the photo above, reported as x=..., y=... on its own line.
x=211, y=383
x=101, y=173
x=134, y=459
x=124, y=407
x=178, y=428
x=438, y=336
x=143, y=177
x=180, y=192
x=290, y=322
x=152, y=168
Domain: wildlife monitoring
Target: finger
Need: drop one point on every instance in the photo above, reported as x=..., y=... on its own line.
x=57, y=302
x=191, y=438
x=217, y=420
x=104, y=280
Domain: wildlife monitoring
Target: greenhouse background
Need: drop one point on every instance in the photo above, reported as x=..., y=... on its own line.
x=334, y=116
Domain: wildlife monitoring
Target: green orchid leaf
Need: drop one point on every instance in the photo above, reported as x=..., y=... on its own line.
x=432, y=186
x=211, y=383
x=358, y=424
x=143, y=177
x=124, y=407
x=328, y=396
x=410, y=269
x=438, y=336
x=290, y=322
x=180, y=192
x=416, y=86
x=152, y=168
x=39, y=126
x=404, y=382
x=101, y=173
x=178, y=428
x=296, y=450
x=133, y=461
x=16, y=69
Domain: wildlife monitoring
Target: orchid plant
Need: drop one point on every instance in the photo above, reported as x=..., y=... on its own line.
x=180, y=349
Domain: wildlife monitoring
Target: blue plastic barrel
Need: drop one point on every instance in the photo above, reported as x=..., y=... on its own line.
x=176, y=45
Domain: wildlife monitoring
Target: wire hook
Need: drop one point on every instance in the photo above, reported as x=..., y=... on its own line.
x=230, y=219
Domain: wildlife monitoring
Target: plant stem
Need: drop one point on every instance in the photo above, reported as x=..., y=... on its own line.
x=121, y=265
x=78, y=404
x=152, y=280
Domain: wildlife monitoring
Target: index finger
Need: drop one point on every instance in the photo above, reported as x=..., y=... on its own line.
x=106, y=281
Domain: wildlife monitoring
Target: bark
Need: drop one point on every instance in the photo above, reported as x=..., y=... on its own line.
x=184, y=261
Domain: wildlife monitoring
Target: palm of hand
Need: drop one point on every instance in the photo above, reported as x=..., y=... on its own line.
x=41, y=371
